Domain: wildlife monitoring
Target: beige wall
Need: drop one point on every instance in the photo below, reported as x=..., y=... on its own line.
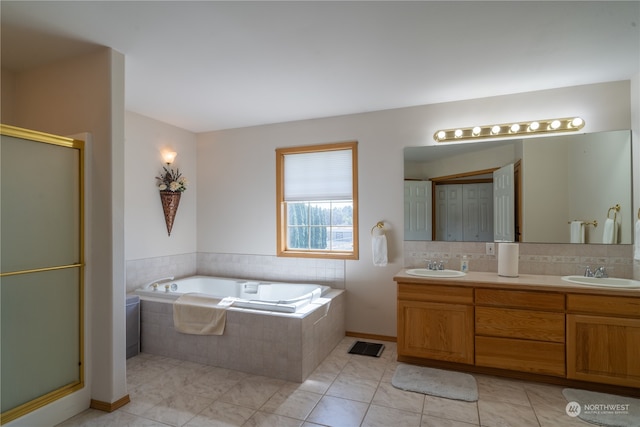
x=145, y=230
x=86, y=94
x=236, y=212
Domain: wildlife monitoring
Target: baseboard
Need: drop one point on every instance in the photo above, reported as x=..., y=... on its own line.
x=370, y=336
x=110, y=407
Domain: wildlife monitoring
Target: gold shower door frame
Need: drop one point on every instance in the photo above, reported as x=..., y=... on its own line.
x=70, y=273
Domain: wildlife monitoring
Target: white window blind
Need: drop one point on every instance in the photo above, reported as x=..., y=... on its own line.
x=321, y=175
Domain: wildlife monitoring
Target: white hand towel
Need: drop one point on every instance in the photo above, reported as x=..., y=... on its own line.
x=577, y=232
x=636, y=238
x=379, y=247
x=610, y=232
x=200, y=314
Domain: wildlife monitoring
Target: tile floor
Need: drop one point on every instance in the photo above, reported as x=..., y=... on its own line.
x=345, y=390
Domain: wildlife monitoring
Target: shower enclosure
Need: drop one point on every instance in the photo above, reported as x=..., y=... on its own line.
x=42, y=269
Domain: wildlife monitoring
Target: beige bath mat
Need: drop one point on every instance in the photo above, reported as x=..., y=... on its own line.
x=436, y=382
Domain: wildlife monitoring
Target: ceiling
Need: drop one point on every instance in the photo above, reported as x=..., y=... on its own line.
x=208, y=65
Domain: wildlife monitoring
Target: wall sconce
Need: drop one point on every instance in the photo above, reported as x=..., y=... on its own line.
x=169, y=156
x=570, y=124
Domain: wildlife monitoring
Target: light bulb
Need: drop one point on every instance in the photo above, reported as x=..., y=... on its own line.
x=169, y=156
x=495, y=130
x=441, y=135
x=555, y=124
x=577, y=122
x=476, y=131
x=514, y=128
x=534, y=126
x=458, y=133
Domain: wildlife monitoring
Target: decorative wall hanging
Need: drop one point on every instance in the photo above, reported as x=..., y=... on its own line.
x=171, y=184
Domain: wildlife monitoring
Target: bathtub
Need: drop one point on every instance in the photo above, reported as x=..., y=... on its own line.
x=250, y=294
x=277, y=330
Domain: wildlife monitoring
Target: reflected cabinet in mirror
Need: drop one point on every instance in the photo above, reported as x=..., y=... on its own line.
x=557, y=189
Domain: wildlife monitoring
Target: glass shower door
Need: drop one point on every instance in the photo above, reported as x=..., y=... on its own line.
x=42, y=269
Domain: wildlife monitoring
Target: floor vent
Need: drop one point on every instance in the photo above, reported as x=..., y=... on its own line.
x=367, y=348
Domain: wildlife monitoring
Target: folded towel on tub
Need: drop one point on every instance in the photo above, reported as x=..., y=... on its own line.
x=199, y=314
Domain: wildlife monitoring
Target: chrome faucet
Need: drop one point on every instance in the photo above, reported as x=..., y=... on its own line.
x=154, y=284
x=600, y=272
x=435, y=265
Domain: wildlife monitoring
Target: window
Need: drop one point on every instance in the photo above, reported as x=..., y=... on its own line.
x=317, y=200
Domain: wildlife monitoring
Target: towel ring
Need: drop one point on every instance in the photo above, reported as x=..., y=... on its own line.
x=379, y=225
x=615, y=209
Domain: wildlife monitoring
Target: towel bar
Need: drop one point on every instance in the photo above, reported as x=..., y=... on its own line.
x=594, y=222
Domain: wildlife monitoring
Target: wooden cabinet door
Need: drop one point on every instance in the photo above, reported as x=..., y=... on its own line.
x=436, y=331
x=603, y=349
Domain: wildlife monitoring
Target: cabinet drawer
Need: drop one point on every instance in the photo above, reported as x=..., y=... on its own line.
x=434, y=293
x=521, y=355
x=523, y=324
x=520, y=299
x=601, y=304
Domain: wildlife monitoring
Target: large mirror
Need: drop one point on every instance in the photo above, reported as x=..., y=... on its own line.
x=566, y=189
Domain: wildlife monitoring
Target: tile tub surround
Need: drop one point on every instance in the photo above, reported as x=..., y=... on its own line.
x=140, y=272
x=535, y=258
x=241, y=266
x=281, y=346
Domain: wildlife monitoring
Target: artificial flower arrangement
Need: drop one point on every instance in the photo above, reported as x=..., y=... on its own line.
x=171, y=180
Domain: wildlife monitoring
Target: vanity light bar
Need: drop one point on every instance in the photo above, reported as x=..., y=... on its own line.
x=570, y=124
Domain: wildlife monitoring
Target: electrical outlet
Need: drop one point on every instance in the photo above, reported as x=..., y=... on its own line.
x=491, y=249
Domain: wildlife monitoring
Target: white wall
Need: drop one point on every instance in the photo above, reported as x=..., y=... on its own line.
x=236, y=174
x=635, y=152
x=86, y=94
x=544, y=181
x=469, y=161
x=145, y=230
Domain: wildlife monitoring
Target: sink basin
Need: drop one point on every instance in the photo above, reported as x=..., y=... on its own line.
x=608, y=282
x=425, y=272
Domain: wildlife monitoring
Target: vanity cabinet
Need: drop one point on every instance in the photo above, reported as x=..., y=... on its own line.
x=520, y=330
x=603, y=339
x=435, y=322
x=576, y=337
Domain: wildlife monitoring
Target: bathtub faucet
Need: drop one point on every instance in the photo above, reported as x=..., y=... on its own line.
x=154, y=284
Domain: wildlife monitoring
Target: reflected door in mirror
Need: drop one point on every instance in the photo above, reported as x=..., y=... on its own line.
x=464, y=212
x=417, y=210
